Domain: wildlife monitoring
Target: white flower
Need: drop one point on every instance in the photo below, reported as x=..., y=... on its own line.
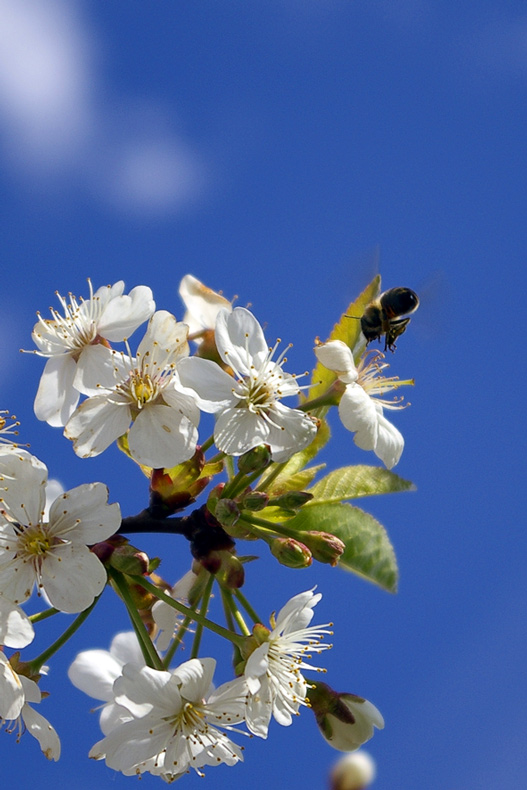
x=178, y=729
x=70, y=340
x=51, y=553
x=95, y=671
x=360, y=410
x=203, y=305
x=247, y=408
x=16, y=691
x=145, y=392
x=275, y=683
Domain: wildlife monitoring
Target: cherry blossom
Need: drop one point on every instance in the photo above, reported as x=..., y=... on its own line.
x=69, y=341
x=247, y=407
x=144, y=391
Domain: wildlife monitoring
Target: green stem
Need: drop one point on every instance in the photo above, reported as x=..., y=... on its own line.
x=247, y=606
x=274, y=527
x=150, y=654
x=184, y=610
x=235, y=613
x=182, y=630
x=39, y=616
x=207, y=443
x=264, y=484
x=237, y=484
x=36, y=663
x=202, y=610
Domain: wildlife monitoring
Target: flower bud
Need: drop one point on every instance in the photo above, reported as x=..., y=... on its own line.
x=255, y=460
x=127, y=559
x=324, y=546
x=354, y=771
x=255, y=500
x=291, y=552
x=175, y=488
x=231, y=573
x=345, y=720
x=227, y=512
x=291, y=500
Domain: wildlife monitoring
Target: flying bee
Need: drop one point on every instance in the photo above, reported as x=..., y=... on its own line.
x=388, y=315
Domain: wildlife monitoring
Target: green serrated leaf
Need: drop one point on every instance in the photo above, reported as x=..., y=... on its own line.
x=351, y=482
x=368, y=551
x=348, y=330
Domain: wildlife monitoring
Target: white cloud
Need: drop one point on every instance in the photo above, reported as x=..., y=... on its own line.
x=54, y=120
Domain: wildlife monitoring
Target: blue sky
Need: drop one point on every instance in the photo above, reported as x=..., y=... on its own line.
x=268, y=148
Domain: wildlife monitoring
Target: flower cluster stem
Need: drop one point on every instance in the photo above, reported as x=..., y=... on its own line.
x=150, y=654
x=196, y=616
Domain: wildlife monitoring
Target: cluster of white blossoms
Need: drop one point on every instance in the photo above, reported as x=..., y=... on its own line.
x=64, y=548
x=157, y=394
x=166, y=722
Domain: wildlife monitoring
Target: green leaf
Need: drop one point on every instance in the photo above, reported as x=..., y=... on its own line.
x=351, y=482
x=348, y=330
x=368, y=551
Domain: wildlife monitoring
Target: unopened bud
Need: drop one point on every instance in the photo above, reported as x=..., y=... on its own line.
x=231, y=573
x=345, y=720
x=291, y=500
x=291, y=552
x=255, y=460
x=255, y=500
x=354, y=771
x=227, y=512
x=127, y=559
x=324, y=546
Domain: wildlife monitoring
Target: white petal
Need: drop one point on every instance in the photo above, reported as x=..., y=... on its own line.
x=16, y=630
x=297, y=612
x=195, y=677
x=83, y=514
x=17, y=578
x=144, y=685
x=240, y=340
x=98, y=367
x=202, y=303
x=126, y=649
x=239, y=430
x=165, y=340
x=94, y=673
x=358, y=413
x=162, y=437
x=291, y=431
x=336, y=355
x=390, y=443
x=132, y=743
x=56, y=399
x=23, y=481
x=112, y=716
x=96, y=424
x=124, y=314
x=41, y=729
x=212, y=384
x=11, y=691
x=72, y=577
